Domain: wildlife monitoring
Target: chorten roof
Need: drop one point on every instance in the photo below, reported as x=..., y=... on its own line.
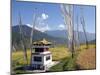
x=44, y=41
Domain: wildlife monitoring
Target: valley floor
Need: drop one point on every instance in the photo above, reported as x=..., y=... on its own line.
x=83, y=59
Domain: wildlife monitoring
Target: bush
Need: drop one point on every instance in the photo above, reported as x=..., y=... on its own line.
x=65, y=64
x=70, y=65
x=57, y=68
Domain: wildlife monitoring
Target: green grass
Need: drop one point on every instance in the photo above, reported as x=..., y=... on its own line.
x=59, y=53
x=65, y=64
x=68, y=63
x=18, y=60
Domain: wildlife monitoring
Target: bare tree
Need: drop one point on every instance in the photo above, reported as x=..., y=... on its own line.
x=22, y=39
x=83, y=26
x=77, y=33
x=67, y=12
x=31, y=36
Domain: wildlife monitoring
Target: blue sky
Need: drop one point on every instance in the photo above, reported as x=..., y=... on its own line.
x=49, y=16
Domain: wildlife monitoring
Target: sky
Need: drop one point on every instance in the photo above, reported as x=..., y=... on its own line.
x=49, y=16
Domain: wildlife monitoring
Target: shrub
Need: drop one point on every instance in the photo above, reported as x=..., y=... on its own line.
x=70, y=65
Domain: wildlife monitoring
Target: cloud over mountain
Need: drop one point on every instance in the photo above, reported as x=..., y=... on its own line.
x=44, y=16
x=61, y=26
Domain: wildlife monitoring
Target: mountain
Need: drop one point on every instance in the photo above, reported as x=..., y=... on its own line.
x=63, y=34
x=57, y=33
x=92, y=41
x=56, y=37
x=37, y=35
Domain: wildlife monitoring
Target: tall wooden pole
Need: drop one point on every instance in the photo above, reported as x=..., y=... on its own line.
x=67, y=11
x=83, y=25
x=31, y=36
x=22, y=39
x=72, y=18
x=77, y=32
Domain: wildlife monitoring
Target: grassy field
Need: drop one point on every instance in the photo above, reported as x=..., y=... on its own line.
x=18, y=58
x=59, y=53
x=87, y=59
x=84, y=58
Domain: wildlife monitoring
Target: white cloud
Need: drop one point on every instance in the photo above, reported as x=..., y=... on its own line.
x=29, y=25
x=61, y=26
x=41, y=24
x=44, y=16
x=42, y=28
